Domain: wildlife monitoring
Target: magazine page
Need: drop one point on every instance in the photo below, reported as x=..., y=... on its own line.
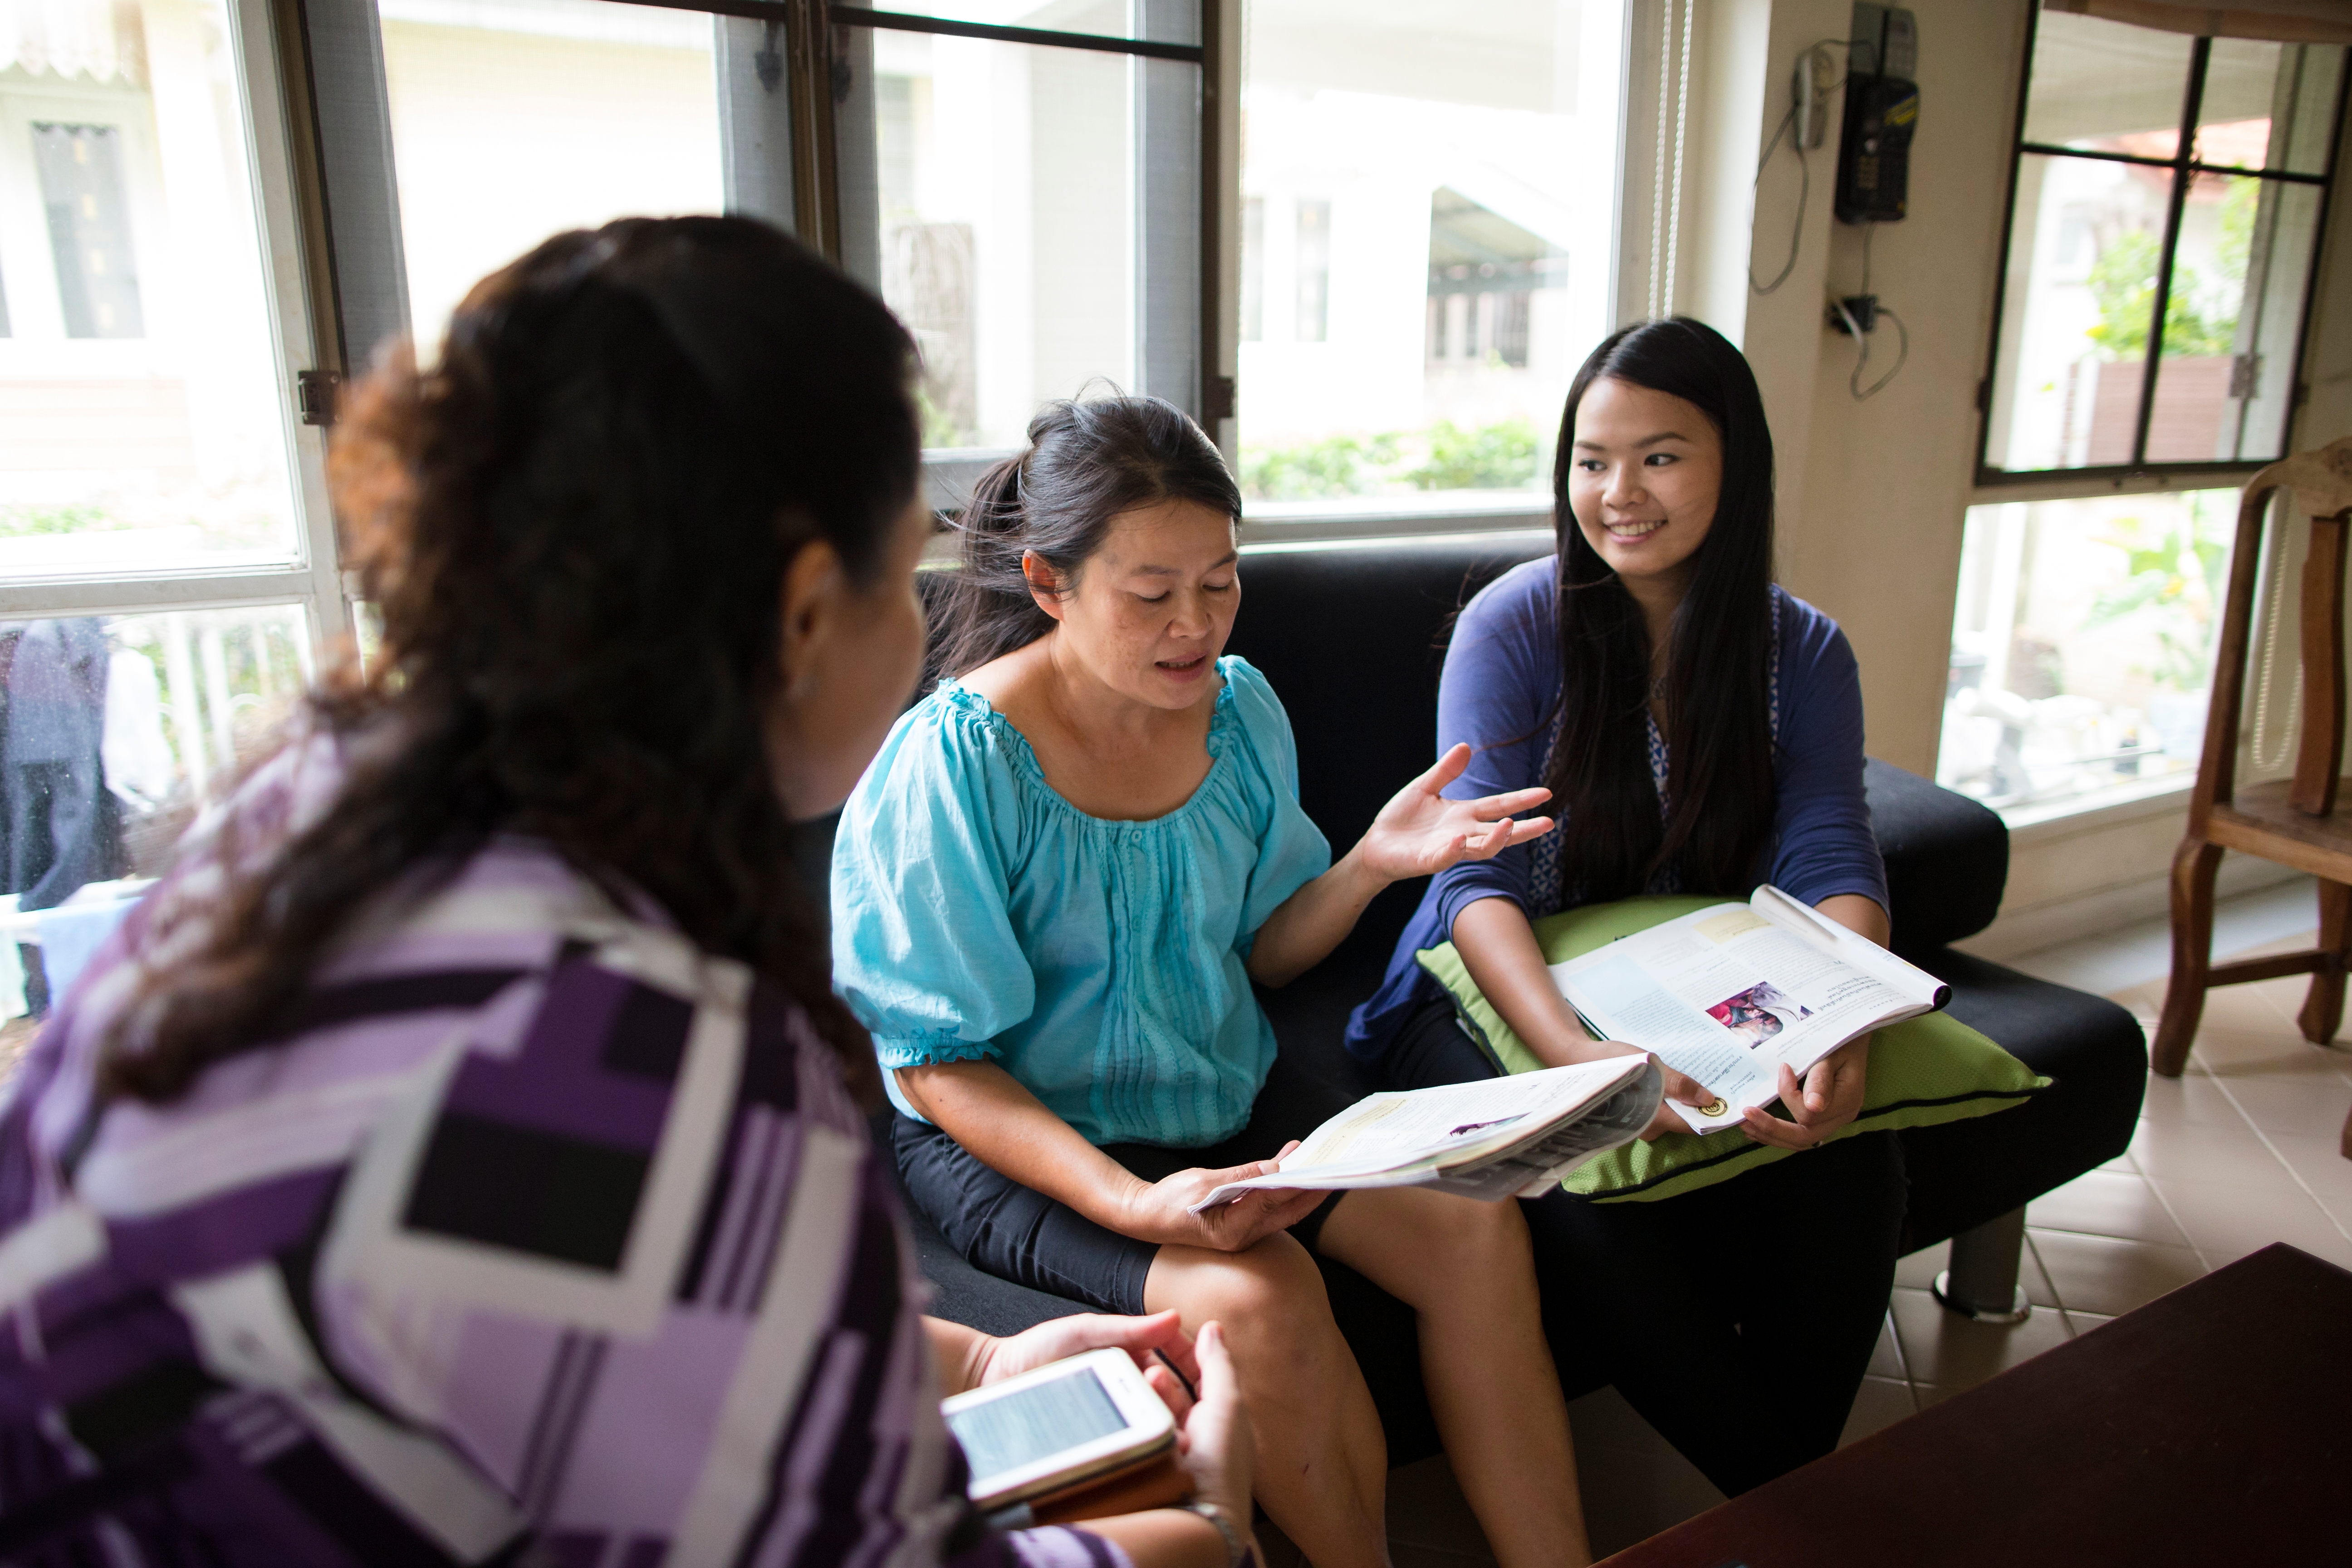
x=1535, y=1169
x=1729, y=997
x=1851, y=946
x=1406, y=1139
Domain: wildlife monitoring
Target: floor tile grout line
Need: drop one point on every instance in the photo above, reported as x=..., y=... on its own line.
x=2273, y=1149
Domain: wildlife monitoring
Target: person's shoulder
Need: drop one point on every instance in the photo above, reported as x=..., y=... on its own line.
x=1518, y=607
x=1251, y=696
x=1808, y=636
x=953, y=731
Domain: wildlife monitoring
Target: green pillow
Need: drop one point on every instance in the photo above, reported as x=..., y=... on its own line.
x=1923, y=1071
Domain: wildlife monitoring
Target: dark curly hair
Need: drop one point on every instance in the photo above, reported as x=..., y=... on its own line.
x=575, y=528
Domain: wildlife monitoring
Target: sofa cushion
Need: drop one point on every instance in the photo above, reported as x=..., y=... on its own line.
x=1923, y=1071
x=1946, y=857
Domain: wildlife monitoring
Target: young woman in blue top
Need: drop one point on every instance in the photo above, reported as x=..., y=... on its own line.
x=1701, y=732
x=1051, y=894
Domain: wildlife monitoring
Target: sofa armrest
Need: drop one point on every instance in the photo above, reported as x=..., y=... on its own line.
x=1946, y=857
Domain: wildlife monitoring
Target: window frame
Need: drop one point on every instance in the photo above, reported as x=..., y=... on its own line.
x=819, y=62
x=312, y=577
x=2167, y=475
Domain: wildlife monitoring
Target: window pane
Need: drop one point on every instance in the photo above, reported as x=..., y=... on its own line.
x=2251, y=89
x=2107, y=85
x=143, y=420
x=514, y=122
x=2082, y=646
x=118, y=731
x=1162, y=21
x=2223, y=388
x=1434, y=261
x=1005, y=183
x=2078, y=300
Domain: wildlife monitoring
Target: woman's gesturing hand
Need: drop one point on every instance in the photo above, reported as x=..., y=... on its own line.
x=1828, y=1098
x=1162, y=1212
x=1421, y=832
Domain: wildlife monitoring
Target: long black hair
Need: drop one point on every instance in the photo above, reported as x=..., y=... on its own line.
x=575, y=526
x=1087, y=463
x=1719, y=728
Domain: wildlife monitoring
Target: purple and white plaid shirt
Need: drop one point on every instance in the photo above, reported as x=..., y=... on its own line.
x=531, y=1234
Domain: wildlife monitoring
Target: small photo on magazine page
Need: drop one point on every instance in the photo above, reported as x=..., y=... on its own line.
x=1758, y=1013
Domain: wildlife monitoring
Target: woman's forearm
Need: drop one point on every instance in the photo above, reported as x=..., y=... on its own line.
x=1309, y=925
x=1163, y=1538
x=1858, y=914
x=960, y=1354
x=1498, y=948
x=1009, y=1130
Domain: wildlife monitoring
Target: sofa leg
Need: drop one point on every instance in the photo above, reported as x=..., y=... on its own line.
x=1981, y=1283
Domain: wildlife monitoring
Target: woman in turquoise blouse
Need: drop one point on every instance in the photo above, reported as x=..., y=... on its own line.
x=1052, y=892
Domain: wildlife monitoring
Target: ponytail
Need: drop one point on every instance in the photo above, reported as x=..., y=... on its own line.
x=1085, y=464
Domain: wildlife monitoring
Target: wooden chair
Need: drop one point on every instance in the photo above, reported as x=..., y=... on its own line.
x=2292, y=822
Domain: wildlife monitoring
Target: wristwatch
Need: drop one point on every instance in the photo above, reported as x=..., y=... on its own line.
x=1239, y=1552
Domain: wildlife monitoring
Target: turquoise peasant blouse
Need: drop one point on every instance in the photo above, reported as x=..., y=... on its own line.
x=977, y=915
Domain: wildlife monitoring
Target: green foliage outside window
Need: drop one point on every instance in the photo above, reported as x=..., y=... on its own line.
x=2200, y=318
x=1444, y=456
x=2174, y=582
x=17, y=521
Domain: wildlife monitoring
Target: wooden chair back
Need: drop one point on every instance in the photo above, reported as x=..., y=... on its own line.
x=2320, y=483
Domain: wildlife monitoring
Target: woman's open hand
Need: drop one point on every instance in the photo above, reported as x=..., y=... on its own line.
x=1146, y=1340
x=1421, y=832
x=1162, y=1212
x=1829, y=1097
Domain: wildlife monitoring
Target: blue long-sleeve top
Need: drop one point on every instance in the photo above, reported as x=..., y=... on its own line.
x=1500, y=693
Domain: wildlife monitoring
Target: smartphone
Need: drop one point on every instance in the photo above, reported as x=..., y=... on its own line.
x=1060, y=1425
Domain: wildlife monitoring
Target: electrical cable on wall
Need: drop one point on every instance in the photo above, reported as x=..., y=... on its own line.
x=1809, y=92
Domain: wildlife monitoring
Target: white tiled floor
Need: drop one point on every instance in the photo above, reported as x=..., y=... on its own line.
x=2239, y=1151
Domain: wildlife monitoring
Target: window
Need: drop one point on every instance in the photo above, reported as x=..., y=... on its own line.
x=89, y=228
x=143, y=407
x=2081, y=645
x=2168, y=201
x=1021, y=183
x=2166, y=209
x=1253, y=270
x=167, y=578
x=1437, y=254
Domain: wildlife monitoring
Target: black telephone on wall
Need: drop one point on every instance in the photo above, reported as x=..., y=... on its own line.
x=1882, y=108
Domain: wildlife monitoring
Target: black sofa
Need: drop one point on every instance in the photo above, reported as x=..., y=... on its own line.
x=1353, y=639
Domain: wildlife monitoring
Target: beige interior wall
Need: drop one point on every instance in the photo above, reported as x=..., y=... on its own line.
x=1873, y=497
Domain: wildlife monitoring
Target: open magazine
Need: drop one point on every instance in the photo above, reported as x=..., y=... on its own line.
x=1731, y=993
x=1498, y=1138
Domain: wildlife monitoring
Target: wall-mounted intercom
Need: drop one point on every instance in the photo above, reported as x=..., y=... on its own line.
x=1882, y=109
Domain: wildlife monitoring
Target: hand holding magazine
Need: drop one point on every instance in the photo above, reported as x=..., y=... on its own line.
x=1499, y=1138
x=1733, y=992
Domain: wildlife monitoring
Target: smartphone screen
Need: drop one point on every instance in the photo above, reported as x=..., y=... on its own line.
x=1036, y=1422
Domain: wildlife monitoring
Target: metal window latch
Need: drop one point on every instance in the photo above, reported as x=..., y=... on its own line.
x=2245, y=375
x=314, y=395
x=1219, y=399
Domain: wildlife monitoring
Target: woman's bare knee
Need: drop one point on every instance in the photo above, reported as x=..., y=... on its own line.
x=1269, y=1297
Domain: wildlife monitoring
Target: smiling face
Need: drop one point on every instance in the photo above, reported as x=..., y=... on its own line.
x=1151, y=608
x=1647, y=471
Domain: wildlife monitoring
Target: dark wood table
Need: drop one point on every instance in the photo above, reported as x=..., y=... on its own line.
x=2212, y=1426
